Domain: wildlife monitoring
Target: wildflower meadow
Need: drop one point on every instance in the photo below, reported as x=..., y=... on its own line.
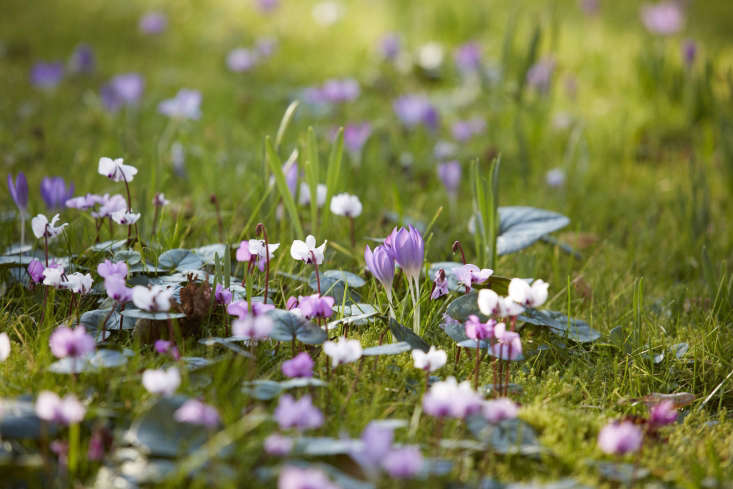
x=339, y=244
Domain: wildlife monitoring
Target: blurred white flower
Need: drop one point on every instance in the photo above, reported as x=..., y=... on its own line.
x=327, y=13
x=346, y=205
x=161, y=381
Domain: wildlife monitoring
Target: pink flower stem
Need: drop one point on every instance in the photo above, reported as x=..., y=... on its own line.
x=318, y=277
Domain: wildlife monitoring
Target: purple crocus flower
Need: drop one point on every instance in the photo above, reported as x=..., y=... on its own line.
x=312, y=306
x=377, y=441
x=689, y=52
x=222, y=295
x=662, y=414
x=403, y=463
x=468, y=57
x=19, y=192
x=355, y=135
x=47, y=75
x=390, y=45
x=125, y=89
x=153, y=23
x=539, y=75
x=67, y=342
x=300, y=414
x=296, y=478
x=241, y=59
x=450, y=174
x=55, y=193
x=35, y=270
x=618, y=438
x=185, y=105
x=408, y=250
x=663, y=18
x=196, y=412
x=381, y=264
x=476, y=330
x=82, y=59
x=416, y=109
x=108, y=269
x=301, y=365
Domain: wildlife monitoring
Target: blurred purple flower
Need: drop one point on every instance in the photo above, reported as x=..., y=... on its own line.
x=153, y=23
x=618, y=438
x=196, y=412
x=241, y=308
x=468, y=57
x=662, y=414
x=663, y=18
x=589, y=7
x=312, y=306
x=278, y=445
x=555, y=178
x=301, y=365
x=689, y=52
x=82, y=59
x=416, y=109
x=50, y=407
x=377, y=443
x=539, y=75
x=450, y=399
x=19, y=191
x=465, y=130
x=47, y=75
x=469, y=274
x=222, y=295
x=403, y=463
x=35, y=270
x=355, y=135
x=390, y=46
x=241, y=59
x=55, y=193
x=125, y=89
x=117, y=289
x=108, y=269
x=167, y=347
x=497, y=410
x=185, y=105
x=67, y=342
x=440, y=285
x=267, y=5
x=450, y=174
x=300, y=414
x=508, y=345
x=296, y=478
x=265, y=46
x=291, y=176
x=476, y=330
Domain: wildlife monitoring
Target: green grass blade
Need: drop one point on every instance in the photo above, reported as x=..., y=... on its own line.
x=273, y=160
x=333, y=172
x=311, y=175
x=285, y=122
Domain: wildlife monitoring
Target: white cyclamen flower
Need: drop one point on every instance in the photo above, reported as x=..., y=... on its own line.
x=41, y=226
x=346, y=205
x=4, y=346
x=78, y=283
x=153, y=299
x=257, y=247
x=160, y=381
x=53, y=277
x=115, y=170
x=528, y=296
x=342, y=351
x=430, y=361
x=301, y=250
x=304, y=197
x=125, y=217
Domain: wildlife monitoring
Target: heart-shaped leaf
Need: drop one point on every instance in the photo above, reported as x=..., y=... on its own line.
x=209, y=252
x=621, y=472
x=352, y=279
x=574, y=329
x=92, y=320
x=521, y=226
x=96, y=361
x=109, y=246
x=402, y=333
x=131, y=257
x=462, y=307
x=511, y=436
x=180, y=259
x=288, y=325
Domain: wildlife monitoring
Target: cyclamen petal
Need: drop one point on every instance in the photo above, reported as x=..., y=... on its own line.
x=116, y=170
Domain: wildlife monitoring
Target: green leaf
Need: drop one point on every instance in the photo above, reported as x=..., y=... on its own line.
x=180, y=259
x=574, y=329
x=276, y=168
x=402, y=333
x=388, y=349
x=285, y=122
x=311, y=177
x=333, y=172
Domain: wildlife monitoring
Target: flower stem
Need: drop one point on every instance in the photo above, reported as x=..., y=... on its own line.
x=318, y=278
x=458, y=247
x=261, y=229
x=351, y=232
x=475, y=373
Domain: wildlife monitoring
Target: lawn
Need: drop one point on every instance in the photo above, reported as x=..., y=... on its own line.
x=585, y=145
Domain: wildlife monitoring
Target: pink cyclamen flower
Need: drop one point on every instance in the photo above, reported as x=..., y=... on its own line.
x=469, y=274
x=78, y=283
x=4, y=346
x=316, y=306
x=300, y=414
x=108, y=269
x=440, y=285
x=296, y=478
x=404, y=462
x=301, y=365
x=117, y=289
x=161, y=381
x=278, y=445
x=67, y=342
x=618, y=438
x=528, y=295
x=253, y=327
x=222, y=295
x=153, y=23
x=196, y=412
x=35, y=270
x=508, y=345
x=167, y=347
x=116, y=170
x=448, y=398
x=662, y=414
x=342, y=351
x=429, y=361
x=241, y=308
x=476, y=330
x=50, y=407
x=497, y=410
x=663, y=18
x=152, y=299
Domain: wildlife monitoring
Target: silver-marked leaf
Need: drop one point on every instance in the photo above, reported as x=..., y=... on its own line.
x=388, y=349
x=180, y=259
x=264, y=390
x=209, y=252
x=131, y=257
x=402, y=333
x=521, y=226
x=155, y=316
x=92, y=320
x=336, y=288
x=288, y=325
x=95, y=361
x=322, y=446
x=621, y=472
x=350, y=278
x=109, y=246
x=511, y=436
x=16, y=260
x=462, y=307
x=574, y=329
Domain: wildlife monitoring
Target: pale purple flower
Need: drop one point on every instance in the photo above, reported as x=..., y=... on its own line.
x=377, y=442
x=82, y=59
x=618, y=438
x=339, y=90
x=109, y=205
x=355, y=135
x=124, y=89
x=497, y=410
x=222, y=295
x=117, y=289
x=241, y=59
x=450, y=174
x=416, y=109
x=99, y=443
x=342, y=351
x=304, y=196
x=50, y=407
x=450, y=399
x=108, y=269
x=539, y=75
x=440, y=285
x=468, y=57
x=408, y=249
x=253, y=327
x=689, y=52
x=589, y=7
x=390, y=45
x=300, y=414
x=431, y=361
x=662, y=414
x=469, y=274
x=153, y=23
x=196, y=412
x=381, y=264
x=316, y=306
x=35, y=270
x=476, y=330
x=67, y=342
x=663, y=18
x=278, y=445
x=466, y=129
x=47, y=75
x=301, y=365
x=83, y=202
x=267, y=5
x=508, y=345
x=265, y=47
x=159, y=200
x=19, y=191
x=241, y=308
x=296, y=478
x=555, y=178
x=404, y=462
x=167, y=347
x=256, y=248
x=161, y=381
x=55, y=193
x=185, y=105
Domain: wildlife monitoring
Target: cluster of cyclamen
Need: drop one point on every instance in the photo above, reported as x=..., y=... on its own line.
x=403, y=247
x=622, y=437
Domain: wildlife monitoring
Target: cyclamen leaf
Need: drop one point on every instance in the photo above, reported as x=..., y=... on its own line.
x=521, y=226
x=180, y=259
x=401, y=333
